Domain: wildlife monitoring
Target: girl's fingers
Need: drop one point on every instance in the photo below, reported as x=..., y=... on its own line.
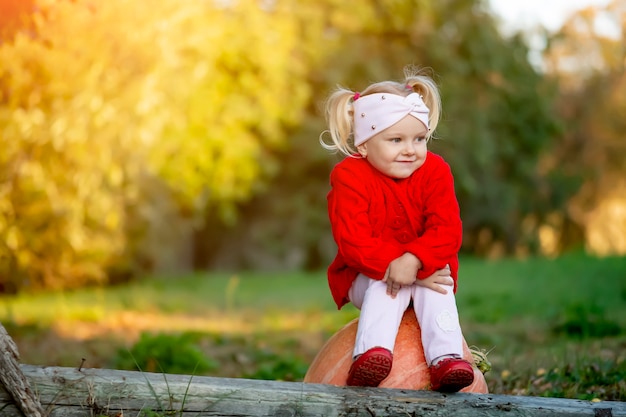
x=440, y=289
x=392, y=288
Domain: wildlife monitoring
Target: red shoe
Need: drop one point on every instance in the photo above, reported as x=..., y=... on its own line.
x=369, y=369
x=451, y=375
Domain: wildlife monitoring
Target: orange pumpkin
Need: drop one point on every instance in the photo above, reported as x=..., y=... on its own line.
x=409, y=370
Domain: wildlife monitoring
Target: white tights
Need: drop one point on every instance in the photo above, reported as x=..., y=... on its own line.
x=381, y=316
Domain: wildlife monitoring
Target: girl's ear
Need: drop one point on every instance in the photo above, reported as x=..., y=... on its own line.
x=362, y=148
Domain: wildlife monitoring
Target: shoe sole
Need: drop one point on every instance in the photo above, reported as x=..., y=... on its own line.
x=371, y=371
x=456, y=380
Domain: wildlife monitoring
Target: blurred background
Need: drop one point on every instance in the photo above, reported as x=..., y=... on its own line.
x=183, y=136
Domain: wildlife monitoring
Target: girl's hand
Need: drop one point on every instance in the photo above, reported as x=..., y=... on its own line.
x=436, y=280
x=401, y=271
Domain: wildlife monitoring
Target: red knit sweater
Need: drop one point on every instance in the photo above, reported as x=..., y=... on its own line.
x=375, y=219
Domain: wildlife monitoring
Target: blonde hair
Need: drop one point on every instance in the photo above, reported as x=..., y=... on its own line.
x=339, y=110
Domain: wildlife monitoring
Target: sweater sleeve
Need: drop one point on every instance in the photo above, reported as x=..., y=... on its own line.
x=441, y=240
x=348, y=210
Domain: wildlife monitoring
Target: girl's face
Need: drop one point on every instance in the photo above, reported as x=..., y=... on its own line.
x=398, y=150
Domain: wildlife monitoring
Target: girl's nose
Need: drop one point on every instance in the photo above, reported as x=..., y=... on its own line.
x=409, y=148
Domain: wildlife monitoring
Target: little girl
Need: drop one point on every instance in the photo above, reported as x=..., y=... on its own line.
x=395, y=219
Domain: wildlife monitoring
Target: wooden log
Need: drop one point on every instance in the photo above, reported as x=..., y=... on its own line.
x=100, y=392
x=13, y=380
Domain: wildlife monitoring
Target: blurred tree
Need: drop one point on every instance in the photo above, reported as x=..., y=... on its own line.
x=285, y=225
x=498, y=121
x=122, y=124
x=588, y=58
x=14, y=16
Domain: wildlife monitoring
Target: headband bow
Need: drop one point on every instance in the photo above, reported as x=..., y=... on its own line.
x=374, y=113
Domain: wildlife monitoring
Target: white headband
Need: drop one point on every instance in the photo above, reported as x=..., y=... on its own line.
x=374, y=113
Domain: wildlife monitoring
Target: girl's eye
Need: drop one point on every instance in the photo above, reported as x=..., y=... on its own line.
x=420, y=139
x=396, y=140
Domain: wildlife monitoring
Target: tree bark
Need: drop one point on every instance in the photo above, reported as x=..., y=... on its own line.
x=13, y=380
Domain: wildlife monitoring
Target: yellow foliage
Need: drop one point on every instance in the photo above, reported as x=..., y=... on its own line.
x=601, y=209
x=112, y=110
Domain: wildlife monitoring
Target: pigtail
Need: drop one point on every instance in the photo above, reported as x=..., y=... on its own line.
x=425, y=85
x=339, y=117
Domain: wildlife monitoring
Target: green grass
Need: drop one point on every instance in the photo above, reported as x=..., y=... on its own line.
x=541, y=288
x=192, y=294
x=555, y=327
